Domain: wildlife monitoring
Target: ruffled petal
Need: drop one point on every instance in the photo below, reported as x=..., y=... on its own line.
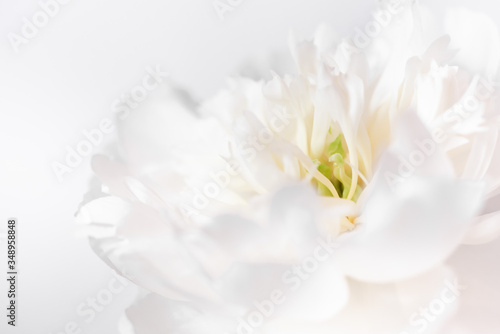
x=142, y=246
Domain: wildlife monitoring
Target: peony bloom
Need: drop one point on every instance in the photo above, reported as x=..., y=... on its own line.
x=325, y=201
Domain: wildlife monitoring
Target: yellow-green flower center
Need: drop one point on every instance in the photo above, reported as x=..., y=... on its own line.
x=336, y=169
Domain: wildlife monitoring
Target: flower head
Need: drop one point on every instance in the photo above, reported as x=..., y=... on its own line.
x=335, y=186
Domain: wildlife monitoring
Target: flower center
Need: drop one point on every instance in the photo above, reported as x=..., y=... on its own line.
x=338, y=172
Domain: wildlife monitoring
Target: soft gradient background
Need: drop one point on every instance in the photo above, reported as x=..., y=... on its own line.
x=65, y=80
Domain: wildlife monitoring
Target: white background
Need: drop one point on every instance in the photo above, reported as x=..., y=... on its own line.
x=64, y=81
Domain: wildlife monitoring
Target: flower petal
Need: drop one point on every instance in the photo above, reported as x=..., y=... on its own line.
x=142, y=246
x=154, y=314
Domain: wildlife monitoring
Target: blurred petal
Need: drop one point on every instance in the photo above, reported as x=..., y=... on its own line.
x=154, y=314
x=478, y=41
x=384, y=308
x=479, y=304
x=411, y=234
x=411, y=226
x=485, y=229
x=142, y=246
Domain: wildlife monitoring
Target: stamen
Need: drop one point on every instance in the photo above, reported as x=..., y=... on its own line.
x=361, y=175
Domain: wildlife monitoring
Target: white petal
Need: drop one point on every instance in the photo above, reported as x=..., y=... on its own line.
x=383, y=308
x=319, y=296
x=142, y=246
x=413, y=230
x=160, y=122
x=486, y=228
x=478, y=41
x=154, y=314
x=409, y=227
x=480, y=301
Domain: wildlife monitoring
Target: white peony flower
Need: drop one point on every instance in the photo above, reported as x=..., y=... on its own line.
x=326, y=201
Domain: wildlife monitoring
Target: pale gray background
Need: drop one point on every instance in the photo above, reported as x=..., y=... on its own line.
x=64, y=81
